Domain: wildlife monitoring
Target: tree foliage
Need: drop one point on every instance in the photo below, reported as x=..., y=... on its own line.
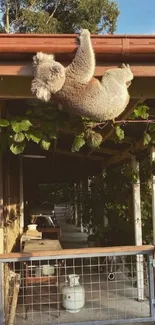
x=58, y=16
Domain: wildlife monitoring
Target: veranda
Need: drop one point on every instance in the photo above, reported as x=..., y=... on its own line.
x=127, y=298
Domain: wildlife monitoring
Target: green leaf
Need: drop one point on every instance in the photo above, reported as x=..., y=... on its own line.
x=141, y=111
x=23, y=125
x=45, y=144
x=16, y=148
x=4, y=123
x=153, y=138
x=78, y=143
x=152, y=127
x=18, y=137
x=15, y=126
x=34, y=135
x=94, y=139
x=146, y=139
x=119, y=133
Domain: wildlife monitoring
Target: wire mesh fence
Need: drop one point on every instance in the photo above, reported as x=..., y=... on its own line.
x=78, y=289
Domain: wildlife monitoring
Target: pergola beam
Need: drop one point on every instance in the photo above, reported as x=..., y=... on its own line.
x=20, y=87
x=77, y=155
x=152, y=153
x=139, y=145
x=25, y=69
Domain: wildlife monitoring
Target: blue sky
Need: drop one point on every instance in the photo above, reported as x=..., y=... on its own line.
x=136, y=17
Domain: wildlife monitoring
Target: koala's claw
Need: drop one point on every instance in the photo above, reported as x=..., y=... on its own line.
x=84, y=32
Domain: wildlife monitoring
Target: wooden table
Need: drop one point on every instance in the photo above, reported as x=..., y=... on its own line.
x=42, y=245
x=29, y=237
x=31, y=278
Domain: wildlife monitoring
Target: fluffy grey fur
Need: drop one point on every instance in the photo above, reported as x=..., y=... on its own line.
x=75, y=88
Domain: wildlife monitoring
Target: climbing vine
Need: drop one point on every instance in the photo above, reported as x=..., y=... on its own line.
x=42, y=124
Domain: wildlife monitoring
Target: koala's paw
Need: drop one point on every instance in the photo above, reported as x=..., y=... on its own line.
x=84, y=32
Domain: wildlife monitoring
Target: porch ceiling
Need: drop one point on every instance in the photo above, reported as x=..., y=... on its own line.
x=16, y=52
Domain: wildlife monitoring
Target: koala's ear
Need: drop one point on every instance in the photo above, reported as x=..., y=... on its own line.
x=125, y=66
x=40, y=91
x=42, y=57
x=122, y=66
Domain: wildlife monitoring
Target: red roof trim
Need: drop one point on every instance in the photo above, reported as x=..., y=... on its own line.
x=65, y=43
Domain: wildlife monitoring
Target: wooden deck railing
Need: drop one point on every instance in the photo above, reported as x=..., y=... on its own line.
x=80, y=251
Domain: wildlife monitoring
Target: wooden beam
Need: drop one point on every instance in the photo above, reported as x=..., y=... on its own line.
x=20, y=87
x=54, y=145
x=139, y=145
x=25, y=69
x=107, y=151
x=77, y=155
x=15, y=87
x=78, y=251
x=152, y=154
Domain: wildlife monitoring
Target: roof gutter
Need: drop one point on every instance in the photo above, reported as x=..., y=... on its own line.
x=60, y=43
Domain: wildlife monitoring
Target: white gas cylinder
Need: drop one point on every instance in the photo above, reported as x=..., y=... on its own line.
x=73, y=295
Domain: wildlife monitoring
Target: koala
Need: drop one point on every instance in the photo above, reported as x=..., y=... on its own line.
x=75, y=88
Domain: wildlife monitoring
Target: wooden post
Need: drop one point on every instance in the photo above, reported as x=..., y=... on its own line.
x=2, y=107
x=89, y=192
x=153, y=194
x=21, y=195
x=1, y=207
x=75, y=205
x=14, y=299
x=81, y=208
x=138, y=229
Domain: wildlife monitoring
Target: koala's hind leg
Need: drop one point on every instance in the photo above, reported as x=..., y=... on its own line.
x=83, y=65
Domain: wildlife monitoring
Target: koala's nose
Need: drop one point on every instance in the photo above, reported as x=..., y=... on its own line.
x=56, y=69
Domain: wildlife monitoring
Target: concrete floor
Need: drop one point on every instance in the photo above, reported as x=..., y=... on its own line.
x=71, y=235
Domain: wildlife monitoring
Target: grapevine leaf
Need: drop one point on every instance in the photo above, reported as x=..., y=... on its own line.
x=152, y=127
x=146, y=139
x=34, y=135
x=153, y=138
x=4, y=123
x=78, y=143
x=18, y=137
x=119, y=133
x=25, y=125
x=45, y=144
x=18, y=126
x=141, y=111
x=15, y=126
x=16, y=148
x=94, y=139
